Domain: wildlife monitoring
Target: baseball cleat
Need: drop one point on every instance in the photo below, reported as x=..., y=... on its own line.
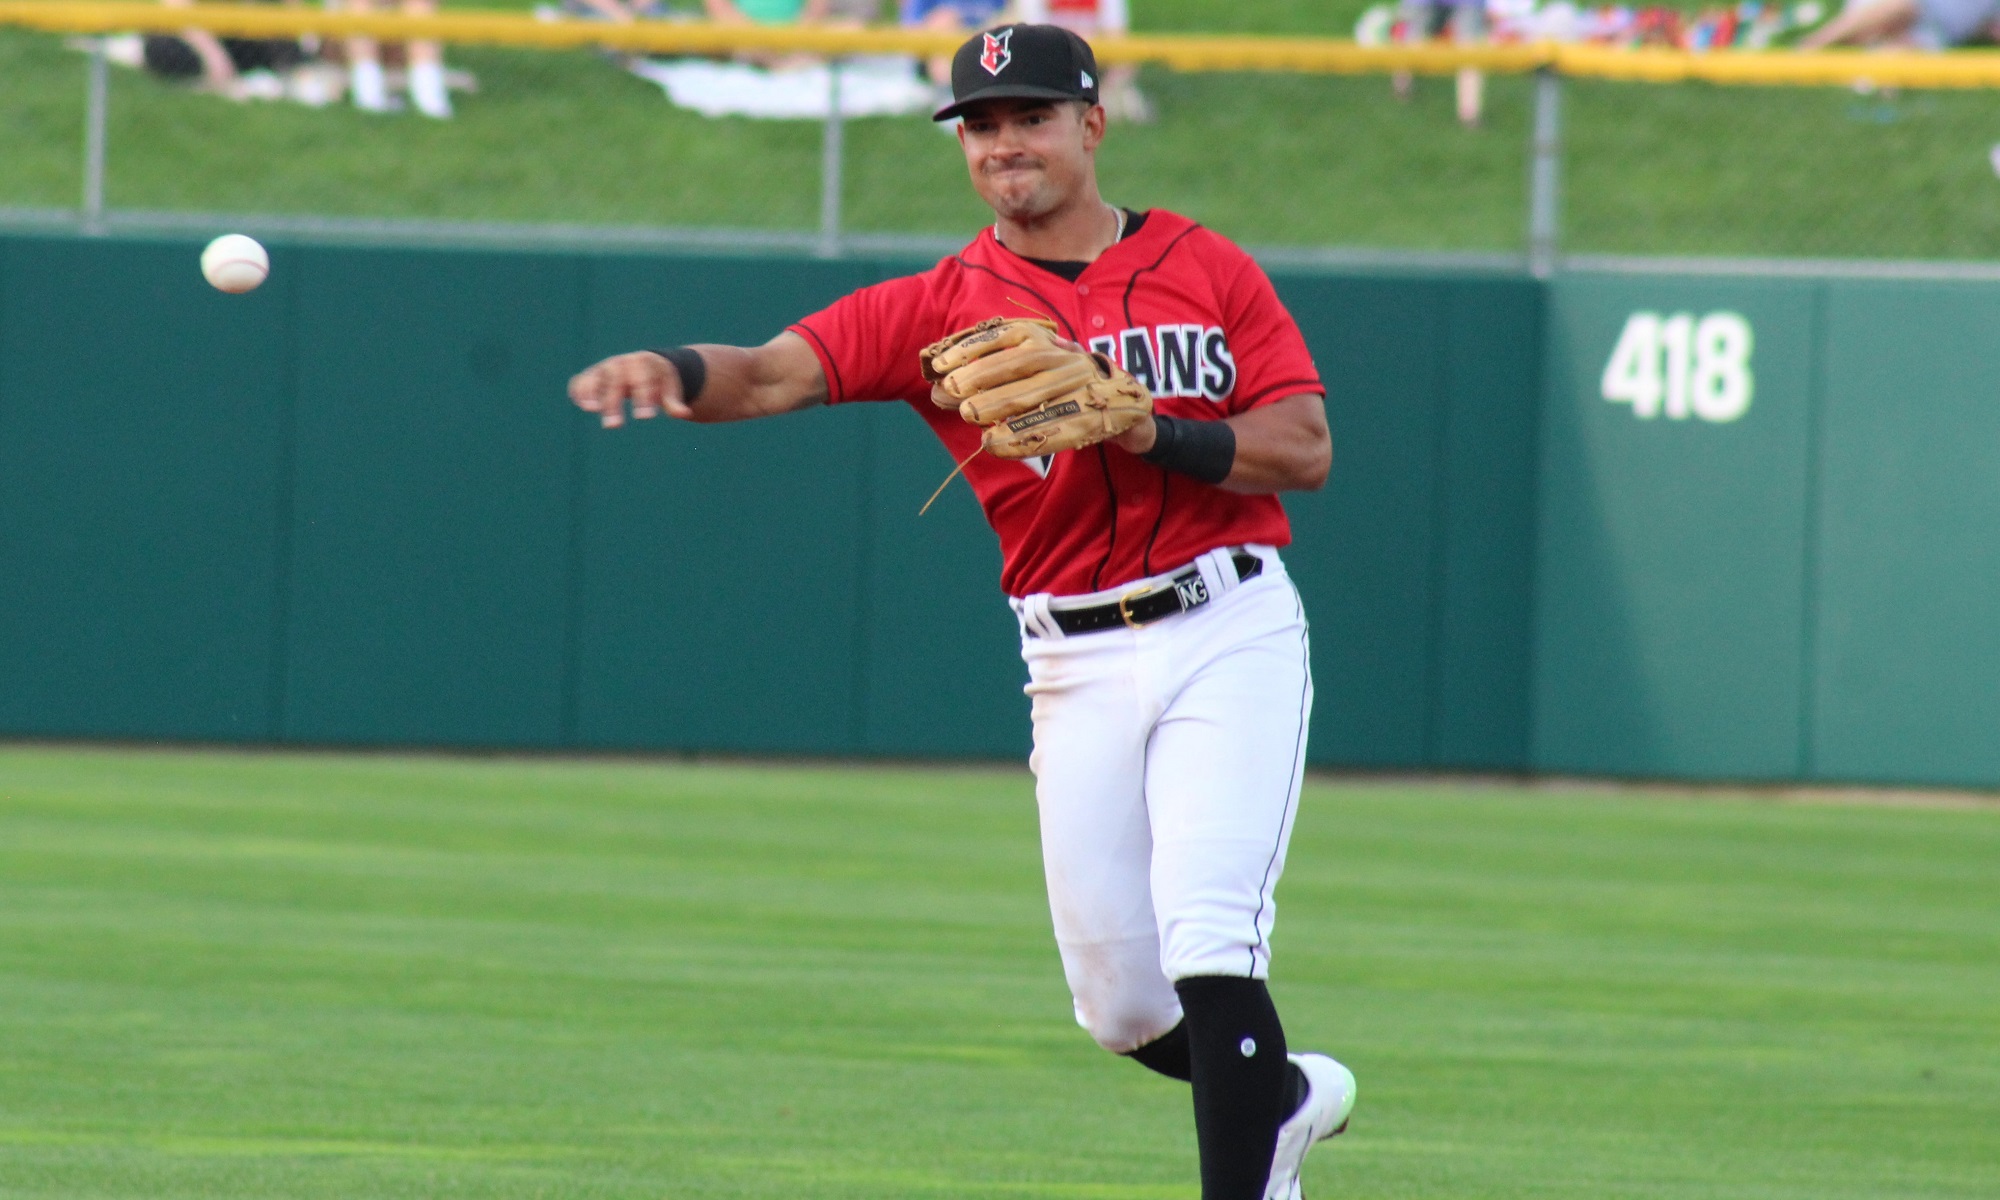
x=1329, y=1102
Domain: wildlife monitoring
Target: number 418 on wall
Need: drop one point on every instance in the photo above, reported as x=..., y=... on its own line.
x=1682, y=366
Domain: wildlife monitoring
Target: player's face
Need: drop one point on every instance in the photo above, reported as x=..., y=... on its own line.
x=1030, y=158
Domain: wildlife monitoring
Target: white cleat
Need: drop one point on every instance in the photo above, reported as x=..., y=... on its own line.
x=1329, y=1102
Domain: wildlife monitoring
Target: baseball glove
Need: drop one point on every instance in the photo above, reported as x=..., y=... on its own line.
x=1031, y=395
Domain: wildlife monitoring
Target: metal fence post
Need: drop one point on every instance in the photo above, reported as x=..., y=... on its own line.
x=1545, y=176
x=831, y=153
x=93, y=140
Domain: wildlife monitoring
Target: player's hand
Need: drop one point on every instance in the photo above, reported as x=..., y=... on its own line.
x=1139, y=438
x=644, y=380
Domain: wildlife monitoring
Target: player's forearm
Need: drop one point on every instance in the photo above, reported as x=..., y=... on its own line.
x=703, y=383
x=744, y=382
x=1281, y=447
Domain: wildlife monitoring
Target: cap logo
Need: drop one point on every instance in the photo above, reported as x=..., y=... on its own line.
x=1088, y=82
x=995, y=54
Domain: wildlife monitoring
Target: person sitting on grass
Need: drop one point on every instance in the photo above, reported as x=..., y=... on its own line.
x=424, y=65
x=1911, y=24
x=219, y=63
x=1465, y=21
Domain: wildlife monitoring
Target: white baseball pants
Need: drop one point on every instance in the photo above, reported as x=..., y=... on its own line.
x=1167, y=764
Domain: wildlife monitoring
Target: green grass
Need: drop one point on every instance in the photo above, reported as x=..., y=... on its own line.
x=1267, y=159
x=303, y=976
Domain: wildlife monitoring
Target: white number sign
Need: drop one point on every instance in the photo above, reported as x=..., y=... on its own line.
x=1682, y=366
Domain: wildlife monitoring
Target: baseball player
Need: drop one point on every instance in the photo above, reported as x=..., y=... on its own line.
x=1128, y=396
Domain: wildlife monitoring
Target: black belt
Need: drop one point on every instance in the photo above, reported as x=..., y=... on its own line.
x=1182, y=593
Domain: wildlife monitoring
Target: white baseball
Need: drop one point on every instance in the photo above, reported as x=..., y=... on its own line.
x=235, y=263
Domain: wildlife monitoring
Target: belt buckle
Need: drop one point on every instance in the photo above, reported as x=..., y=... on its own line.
x=1125, y=613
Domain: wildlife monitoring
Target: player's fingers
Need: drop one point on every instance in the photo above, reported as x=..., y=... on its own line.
x=610, y=395
x=649, y=385
x=596, y=389
x=583, y=389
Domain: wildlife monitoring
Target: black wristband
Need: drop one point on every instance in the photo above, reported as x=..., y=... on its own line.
x=694, y=372
x=1205, y=450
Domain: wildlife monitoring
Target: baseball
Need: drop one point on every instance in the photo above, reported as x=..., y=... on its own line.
x=235, y=263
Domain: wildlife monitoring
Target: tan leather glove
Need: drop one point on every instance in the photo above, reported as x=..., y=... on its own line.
x=1031, y=394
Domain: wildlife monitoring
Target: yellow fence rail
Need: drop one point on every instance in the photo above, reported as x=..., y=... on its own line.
x=1181, y=52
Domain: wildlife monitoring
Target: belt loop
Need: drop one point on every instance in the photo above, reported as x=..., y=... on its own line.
x=1217, y=572
x=1035, y=615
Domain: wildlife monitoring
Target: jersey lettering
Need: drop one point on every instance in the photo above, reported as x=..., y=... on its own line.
x=1176, y=360
x=1218, y=373
x=1137, y=358
x=1107, y=346
x=1180, y=359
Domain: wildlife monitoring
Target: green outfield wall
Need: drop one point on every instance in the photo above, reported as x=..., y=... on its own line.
x=354, y=508
x=1807, y=589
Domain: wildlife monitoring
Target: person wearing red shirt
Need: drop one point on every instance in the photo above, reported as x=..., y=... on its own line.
x=1166, y=647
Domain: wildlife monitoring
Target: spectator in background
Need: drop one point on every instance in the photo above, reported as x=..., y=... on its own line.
x=950, y=16
x=1119, y=91
x=423, y=67
x=769, y=12
x=766, y=12
x=853, y=13
x=1465, y=21
x=218, y=62
x=1917, y=24
x=618, y=12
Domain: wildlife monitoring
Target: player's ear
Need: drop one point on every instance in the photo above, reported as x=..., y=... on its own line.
x=1093, y=125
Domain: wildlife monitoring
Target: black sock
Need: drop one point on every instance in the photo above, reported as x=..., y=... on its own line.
x=1167, y=1054
x=1243, y=1085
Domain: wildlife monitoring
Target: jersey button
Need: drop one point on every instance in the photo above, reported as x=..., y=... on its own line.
x=1083, y=289
x=1097, y=322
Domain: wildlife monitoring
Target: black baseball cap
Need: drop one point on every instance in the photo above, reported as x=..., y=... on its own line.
x=1021, y=62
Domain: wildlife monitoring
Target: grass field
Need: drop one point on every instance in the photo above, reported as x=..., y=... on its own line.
x=1269, y=160
x=318, y=976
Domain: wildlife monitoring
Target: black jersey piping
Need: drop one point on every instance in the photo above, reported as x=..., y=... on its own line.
x=1053, y=313
x=1111, y=540
x=1166, y=485
x=828, y=356
x=1153, y=266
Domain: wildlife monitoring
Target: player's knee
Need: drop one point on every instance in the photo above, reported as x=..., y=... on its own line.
x=1124, y=1014
x=1123, y=1024
x=1122, y=999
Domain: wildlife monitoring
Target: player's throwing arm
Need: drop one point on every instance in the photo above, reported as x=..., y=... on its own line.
x=1127, y=396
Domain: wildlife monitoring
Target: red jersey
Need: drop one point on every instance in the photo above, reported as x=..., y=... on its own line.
x=1181, y=307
